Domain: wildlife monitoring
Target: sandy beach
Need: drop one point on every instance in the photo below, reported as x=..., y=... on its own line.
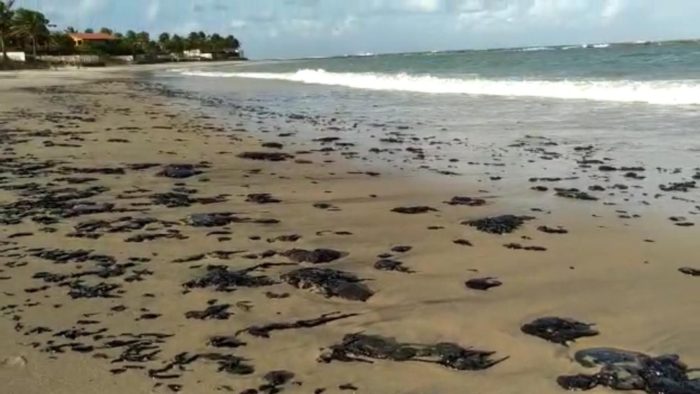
x=148, y=246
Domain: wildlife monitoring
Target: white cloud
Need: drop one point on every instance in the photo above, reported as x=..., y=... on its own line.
x=152, y=10
x=299, y=27
x=499, y=15
x=613, y=8
x=421, y=5
x=238, y=24
x=371, y=7
x=559, y=9
x=489, y=17
x=303, y=27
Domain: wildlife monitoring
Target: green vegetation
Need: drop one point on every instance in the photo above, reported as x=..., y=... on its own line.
x=30, y=25
x=30, y=31
x=5, y=25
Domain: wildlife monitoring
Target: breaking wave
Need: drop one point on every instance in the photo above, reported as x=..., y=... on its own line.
x=654, y=92
x=537, y=49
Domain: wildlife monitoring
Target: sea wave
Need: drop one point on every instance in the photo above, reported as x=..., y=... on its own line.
x=536, y=49
x=653, y=92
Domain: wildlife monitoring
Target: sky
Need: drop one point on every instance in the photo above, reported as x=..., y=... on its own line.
x=300, y=28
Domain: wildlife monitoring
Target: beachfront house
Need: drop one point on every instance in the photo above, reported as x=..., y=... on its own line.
x=93, y=38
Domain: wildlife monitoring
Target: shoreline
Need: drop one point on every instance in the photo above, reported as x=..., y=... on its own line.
x=71, y=75
x=628, y=287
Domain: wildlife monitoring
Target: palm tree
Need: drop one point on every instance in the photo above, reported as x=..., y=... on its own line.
x=5, y=24
x=143, y=40
x=176, y=44
x=32, y=25
x=232, y=42
x=130, y=41
x=193, y=41
x=164, y=41
x=215, y=43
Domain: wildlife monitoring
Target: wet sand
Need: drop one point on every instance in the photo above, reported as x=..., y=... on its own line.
x=80, y=172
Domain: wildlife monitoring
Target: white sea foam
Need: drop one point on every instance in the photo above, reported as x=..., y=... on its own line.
x=653, y=92
x=537, y=49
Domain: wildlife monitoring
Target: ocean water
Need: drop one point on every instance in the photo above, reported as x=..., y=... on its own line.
x=665, y=73
x=637, y=103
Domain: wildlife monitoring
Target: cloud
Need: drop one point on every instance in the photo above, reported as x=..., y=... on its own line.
x=152, y=10
x=302, y=27
x=490, y=17
x=67, y=12
x=613, y=8
x=420, y=5
x=282, y=28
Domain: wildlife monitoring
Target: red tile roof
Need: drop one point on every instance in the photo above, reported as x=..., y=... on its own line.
x=92, y=36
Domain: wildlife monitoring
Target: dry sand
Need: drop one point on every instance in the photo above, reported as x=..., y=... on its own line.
x=601, y=272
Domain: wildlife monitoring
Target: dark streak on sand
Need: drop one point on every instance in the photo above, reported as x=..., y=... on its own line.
x=55, y=193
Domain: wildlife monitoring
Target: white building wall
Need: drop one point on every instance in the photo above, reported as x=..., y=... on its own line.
x=17, y=56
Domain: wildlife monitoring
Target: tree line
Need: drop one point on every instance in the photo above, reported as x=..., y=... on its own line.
x=29, y=30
